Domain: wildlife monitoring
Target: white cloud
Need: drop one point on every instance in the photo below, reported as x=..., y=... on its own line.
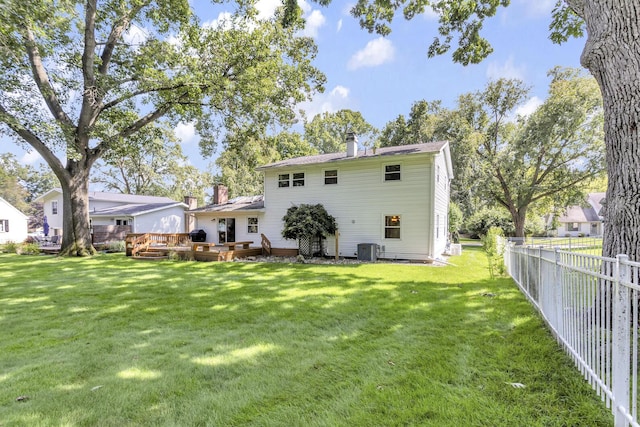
x=507, y=70
x=135, y=35
x=305, y=6
x=340, y=91
x=339, y=27
x=313, y=23
x=267, y=8
x=376, y=52
x=529, y=107
x=185, y=132
x=336, y=99
x=30, y=157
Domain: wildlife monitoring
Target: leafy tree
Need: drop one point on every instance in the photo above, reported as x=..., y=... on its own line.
x=100, y=88
x=426, y=123
x=308, y=221
x=11, y=188
x=243, y=154
x=611, y=55
x=543, y=156
x=151, y=162
x=327, y=132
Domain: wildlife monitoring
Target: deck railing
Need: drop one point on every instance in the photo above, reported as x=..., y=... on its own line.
x=266, y=245
x=590, y=303
x=140, y=242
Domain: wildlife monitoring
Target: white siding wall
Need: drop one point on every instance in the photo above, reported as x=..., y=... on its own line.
x=17, y=223
x=441, y=205
x=54, y=221
x=360, y=201
x=204, y=222
x=163, y=221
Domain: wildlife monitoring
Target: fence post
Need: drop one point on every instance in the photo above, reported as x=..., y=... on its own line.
x=621, y=341
x=558, y=301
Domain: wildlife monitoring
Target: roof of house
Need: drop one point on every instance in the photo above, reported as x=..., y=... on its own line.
x=426, y=148
x=591, y=212
x=134, y=209
x=114, y=197
x=242, y=203
x=14, y=208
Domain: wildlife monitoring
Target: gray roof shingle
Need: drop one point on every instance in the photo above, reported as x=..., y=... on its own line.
x=430, y=147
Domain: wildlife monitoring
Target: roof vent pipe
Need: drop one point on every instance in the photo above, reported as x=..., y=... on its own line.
x=352, y=145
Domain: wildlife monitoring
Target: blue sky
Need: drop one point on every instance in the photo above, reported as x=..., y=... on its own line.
x=383, y=77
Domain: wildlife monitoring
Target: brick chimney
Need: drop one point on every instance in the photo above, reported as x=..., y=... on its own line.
x=220, y=194
x=191, y=202
x=352, y=145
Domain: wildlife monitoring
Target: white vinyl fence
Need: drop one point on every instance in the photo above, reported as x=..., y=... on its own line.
x=591, y=305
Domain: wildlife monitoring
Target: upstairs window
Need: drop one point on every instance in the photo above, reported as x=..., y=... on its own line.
x=330, y=177
x=252, y=225
x=392, y=173
x=283, y=180
x=122, y=222
x=4, y=225
x=392, y=227
x=298, y=179
x=54, y=207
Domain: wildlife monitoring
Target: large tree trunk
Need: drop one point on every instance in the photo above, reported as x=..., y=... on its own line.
x=519, y=217
x=612, y=54
x=76, y=237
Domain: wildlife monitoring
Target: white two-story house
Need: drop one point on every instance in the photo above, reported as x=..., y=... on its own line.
x=396, y=198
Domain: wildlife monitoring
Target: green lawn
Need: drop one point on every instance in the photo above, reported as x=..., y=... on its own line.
x=109, y=341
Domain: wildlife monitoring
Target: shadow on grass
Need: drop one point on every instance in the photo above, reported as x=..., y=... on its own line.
x=272, y=344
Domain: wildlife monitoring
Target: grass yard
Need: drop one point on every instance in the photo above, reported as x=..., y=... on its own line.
x=109, y=341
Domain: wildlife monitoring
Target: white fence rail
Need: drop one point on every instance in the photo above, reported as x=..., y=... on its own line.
x=591, y=305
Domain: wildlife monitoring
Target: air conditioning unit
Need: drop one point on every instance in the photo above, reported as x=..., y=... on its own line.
x=367, y=251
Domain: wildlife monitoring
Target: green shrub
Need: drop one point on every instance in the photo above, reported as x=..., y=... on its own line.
x=455, y=222
x=115, y=246
x=11, y=247
x=480, y=222
x=28, y=249
x=492, y=246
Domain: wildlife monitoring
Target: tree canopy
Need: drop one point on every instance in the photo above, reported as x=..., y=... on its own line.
x=551, y=154
x=327, y=132
x=74, y=83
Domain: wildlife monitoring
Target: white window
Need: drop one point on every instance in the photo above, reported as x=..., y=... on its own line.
x=298, y=179
x=122, y=222
x=252, y=225
x=438, y=174
x=283, y=180
x=54, y=207
x=437, y=226
x=573, y=226
x=4, y=225
x=392, y=173
x=331, y=177
x=392, y=227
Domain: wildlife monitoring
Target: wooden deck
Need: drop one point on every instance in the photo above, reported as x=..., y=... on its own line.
x=155, y=246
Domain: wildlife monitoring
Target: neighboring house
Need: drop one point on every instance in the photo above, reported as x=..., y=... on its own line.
x=112, y=215
x=13, y=223
x=583, y=220
x=395, y=197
